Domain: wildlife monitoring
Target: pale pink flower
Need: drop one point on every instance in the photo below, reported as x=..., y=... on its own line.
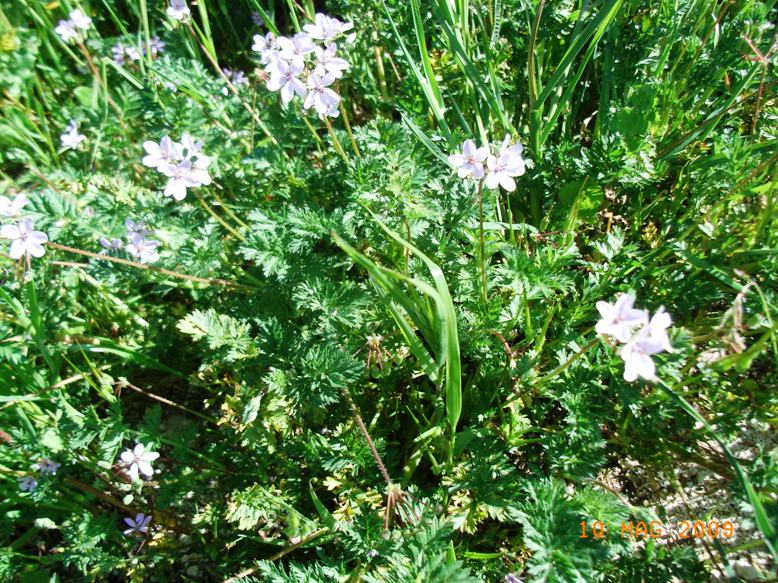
x=145, y=250
x=25, y=240
x=620, y=319
x=285, y=78
x=326, y=28
x=502, y=168
x=178, y=10
x=182, y=176
x=66, y=29
x=158, y=154
x=80, y=20
x=11, y=208
x=293, y=50
x=471, y=161
x=138, y=460
x=636, y=355
x=46, y=466
x=323, y=99
x=327, y=62
x=71, y=139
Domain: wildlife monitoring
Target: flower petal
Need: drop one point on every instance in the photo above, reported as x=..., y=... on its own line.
x=17, y=249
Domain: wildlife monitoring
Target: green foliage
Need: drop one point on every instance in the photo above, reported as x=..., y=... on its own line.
x=222, y=333
x=333, y=392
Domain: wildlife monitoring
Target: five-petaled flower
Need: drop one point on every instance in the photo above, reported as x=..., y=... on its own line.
x=27, y=484
x=137, y=227
x=183, y=163
x=641, y=337
x=11, y=208
x=323, y=99
x=178, y=10
x=139, y=524
x=505, y=166
x=182, y=176
x=71, y=139
x=68, y=29
x=267, y=47
x=138, y=460
x=471, y=161
x=158, y=154
x=636, y=355
x=80, y=20
x=620, y=319
x=325, y=28
x=145, y=250
x=327, y=61
x=293, y=50
x=46, y=466
x=285, y=77
x=25, y=240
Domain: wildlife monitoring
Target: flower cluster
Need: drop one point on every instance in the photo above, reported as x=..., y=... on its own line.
x=307, y=64
x=70, y=29
x=183, y=163
x=138, y=243
x=137, y=461
x=501, y=168
x=123, y=54
x=25, y=240
x=45, y=467
x=640, y=335
x=71, y=139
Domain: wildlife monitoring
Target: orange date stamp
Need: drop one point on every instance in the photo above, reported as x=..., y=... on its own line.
x=639, y=529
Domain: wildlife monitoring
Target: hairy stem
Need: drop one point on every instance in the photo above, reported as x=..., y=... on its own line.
x=212, y=281
x=344, y=113
x=220, y=220
x=371, y=445
x=482, y=241
x=108, y=98
x=335, y=140
x=232, y=87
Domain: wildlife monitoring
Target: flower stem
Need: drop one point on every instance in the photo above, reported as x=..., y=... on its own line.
x=125, y=384
x=232, y=87
x=229, y=212
x=348, y=129
x=161, y=270
x=371, y=445
x=482, y=242
x=220, y=220
x=379, y=66
x=108, y=98
x=565, y=365
x=344, y=113
x=335, y=140
x=312, y=129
